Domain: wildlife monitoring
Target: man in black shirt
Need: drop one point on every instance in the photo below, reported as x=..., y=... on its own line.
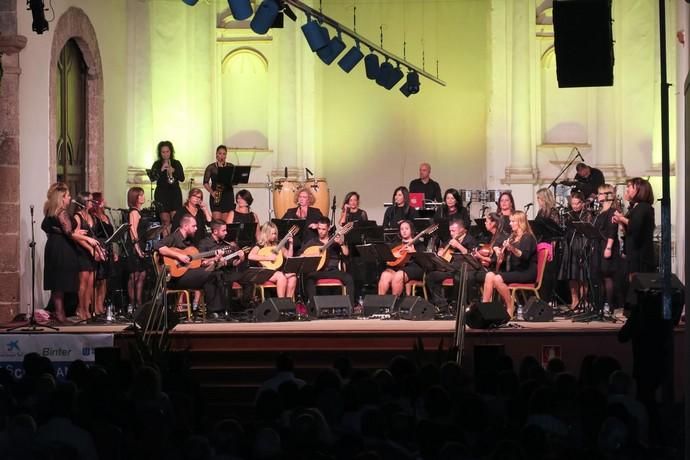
x=588, y=180
x=197, y=278
x=426, y=185
x=232, y=270
x=330, y=270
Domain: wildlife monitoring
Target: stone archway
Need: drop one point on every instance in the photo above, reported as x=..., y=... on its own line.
x=75, y=24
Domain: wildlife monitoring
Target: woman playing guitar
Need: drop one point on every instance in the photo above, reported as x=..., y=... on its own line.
x=89, y=253
x=285, y=282
x=103, y=228
x=395, y=278
x=520, y=255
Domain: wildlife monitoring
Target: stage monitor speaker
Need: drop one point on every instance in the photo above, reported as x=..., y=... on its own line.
x=646, y=294
x=583, y=42
x=330, y=306
x=415, y=308
x=486, y=315
x=275, y=309
x=151, y=317
x=378, y=305
x=537, y=311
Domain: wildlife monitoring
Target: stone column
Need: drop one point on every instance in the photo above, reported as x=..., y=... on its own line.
x=10, y=46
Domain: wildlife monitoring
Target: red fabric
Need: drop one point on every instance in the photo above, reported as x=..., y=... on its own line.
x=323, y=281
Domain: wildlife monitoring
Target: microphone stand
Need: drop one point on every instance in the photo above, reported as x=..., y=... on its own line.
x=333, y=212
x=32, y=325
x=565, y=168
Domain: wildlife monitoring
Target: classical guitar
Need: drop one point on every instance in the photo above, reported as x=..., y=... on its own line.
x=447, y=253
x=401, y=251
x=229, y=257
x=277, y=250
x=177, y=268
x=323, y=250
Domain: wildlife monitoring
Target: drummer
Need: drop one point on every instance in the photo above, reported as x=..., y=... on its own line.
x=305, y=210
x=426, y=185
x=588, y=180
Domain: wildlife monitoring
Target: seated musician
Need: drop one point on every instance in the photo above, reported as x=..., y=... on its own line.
x=452, y=209
x=351, y=211
x=506, y=208
x=461, y=242
x=400, y=210
x=172, y=247
x=331, y=268
x=394, y=278
x=243, y=214
x=195, y=207
x=304, y=210
x=231, y=269
x=486, y=254
x=285, y=282
x=519, y=252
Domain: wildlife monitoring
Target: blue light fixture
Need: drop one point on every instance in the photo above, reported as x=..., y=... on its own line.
x=313, y=32
x=411, y=85
x=190, y=2
x=328, y=53
x=371, y=66
x=351, y=58
x=265, y=15
x=240, y=9
x=385, y=72
x=394, y=77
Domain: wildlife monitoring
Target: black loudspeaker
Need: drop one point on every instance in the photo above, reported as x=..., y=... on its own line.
x=275, y=309
x=583, y=42
x=537, y=311
x=330, y=306
x=378, y=305
x=151, y=317
x=486, y=315
x=414, y=308
x=646, y=294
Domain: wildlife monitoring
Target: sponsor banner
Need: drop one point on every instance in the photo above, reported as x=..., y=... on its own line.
x=62, y=349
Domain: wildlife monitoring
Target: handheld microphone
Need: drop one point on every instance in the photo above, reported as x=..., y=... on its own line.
x=78, y=203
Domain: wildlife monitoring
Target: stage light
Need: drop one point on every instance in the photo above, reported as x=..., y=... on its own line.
x=285, y=8
x=240, y=9
x=328, y=53
x=394, y=77
x=265, y=15
x=313, y=32
x=371, y=65
x=39, y=24
x=351, y=58
x=190, y=2
x=385, y=72
x=411, y=85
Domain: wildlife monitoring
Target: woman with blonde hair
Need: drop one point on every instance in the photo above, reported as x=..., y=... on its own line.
x=304, y=199
x=285, y=282
x=519, y=252
x=547, y=205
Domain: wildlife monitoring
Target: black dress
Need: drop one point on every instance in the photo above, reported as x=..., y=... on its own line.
x=356, y=216
x=639, y=239
x=521, y=269
x=134, y=262
x=460, y=213
x=412, y=268
x=227, y=197
x=609, y=230
x=395, y=214
x=576, y=249
x=87, y=263
x=168, y=195
x=245, y=218
x=103, y=230
x=60, y=265
x=313, y=216
x=200, y=223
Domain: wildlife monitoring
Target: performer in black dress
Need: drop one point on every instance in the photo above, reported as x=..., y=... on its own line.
x=576, y=251
x=195, y=207
x=60, y=255
x=400, y=210
x=243, y=214
x=351, y=211
x=395, y=278
x=104, y=229
x=220, y=193
x=639, y=227
x=486, y=255
x=520, y=254
x=167, y=172
x=136, y=260
x=506, y=208
x=606, y=260
x=83, y=220
x=452, y=209
x=304, y=200
x=547, y=205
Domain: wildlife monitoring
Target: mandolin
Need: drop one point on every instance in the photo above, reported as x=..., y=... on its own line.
x=484, y=250
x=447, y=253
x=323, y=250
x=401, y=251
x=177, y=268
x=277, y=250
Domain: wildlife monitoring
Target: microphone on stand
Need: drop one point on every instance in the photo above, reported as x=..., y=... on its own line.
x=528, y=205
x=333, y=205
x=108, y=208
x=78, y=203
x=578, y=154
x=286, y=172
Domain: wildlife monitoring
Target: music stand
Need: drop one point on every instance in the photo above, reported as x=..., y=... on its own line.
x=364, y=231
x=300, y=266
x=285, y=224
x=431, y=261
x=375, y=252
x=391, y=234
x=243, y=233
x=238, y=174
x=546, y=229
x=256, y=275
x=420, y=223
x=117, y=234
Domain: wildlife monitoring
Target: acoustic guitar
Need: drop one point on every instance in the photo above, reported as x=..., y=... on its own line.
x=323, y=250
x=229, y=257
x=177, y=268
x=447, y=253
x=401, y=251
x=277, y=250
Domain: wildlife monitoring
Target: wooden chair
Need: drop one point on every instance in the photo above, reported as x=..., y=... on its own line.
x=544, y=254
x=331, y=282
x=412, y=285
x=261, y=289
x=181, y=293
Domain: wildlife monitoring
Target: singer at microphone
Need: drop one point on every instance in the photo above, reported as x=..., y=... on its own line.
x=588, y=180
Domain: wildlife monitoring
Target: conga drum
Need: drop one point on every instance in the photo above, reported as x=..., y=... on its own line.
x=319, y=188
x=284, y=194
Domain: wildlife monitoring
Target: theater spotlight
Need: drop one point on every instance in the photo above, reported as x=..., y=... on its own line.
x=39, y=24
x=393, y=79
x=411, y=85
x=371, y=65
x=351, y=58
x=190, y=2
x=265, y=15
x=240, y=9
x=328, y=53
x=285, y=8
x=313, y=32
x=385, y=72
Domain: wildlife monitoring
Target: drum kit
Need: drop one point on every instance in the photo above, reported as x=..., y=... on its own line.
x=284, y=193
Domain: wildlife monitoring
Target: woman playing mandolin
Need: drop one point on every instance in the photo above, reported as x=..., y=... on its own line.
x=285, y=282
x=395, y=278
x=520, y=255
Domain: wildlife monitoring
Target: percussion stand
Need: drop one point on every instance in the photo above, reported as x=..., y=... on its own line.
x=269, y=189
